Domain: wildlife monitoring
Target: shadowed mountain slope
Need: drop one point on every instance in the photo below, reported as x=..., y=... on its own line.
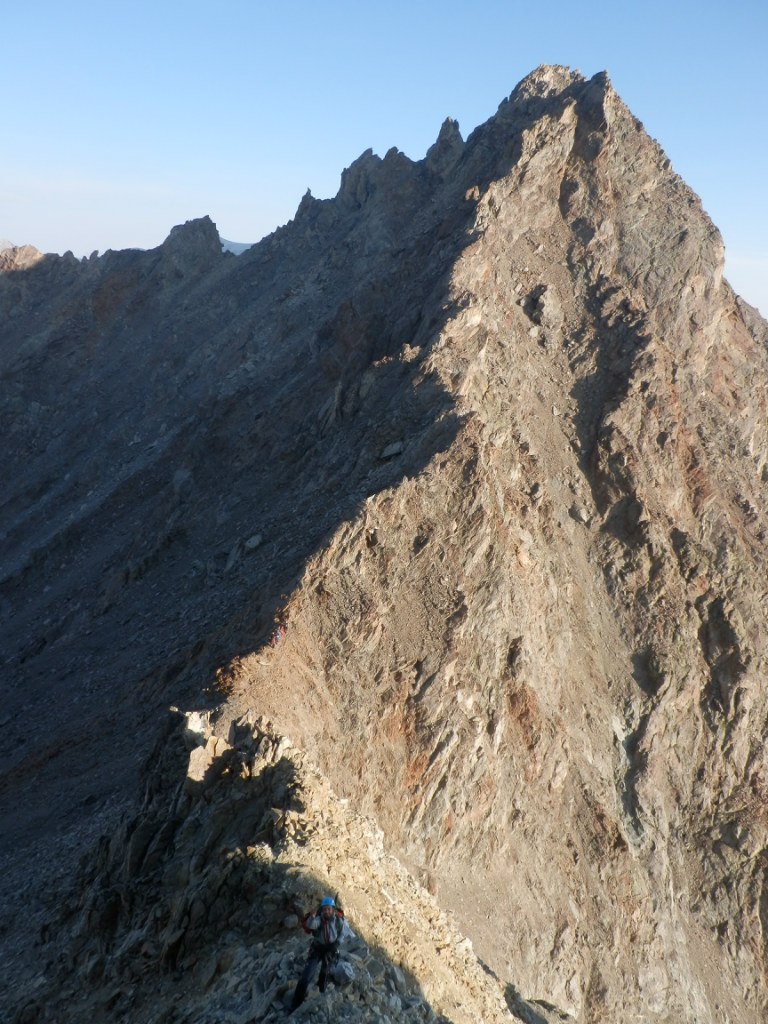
x=488, y=434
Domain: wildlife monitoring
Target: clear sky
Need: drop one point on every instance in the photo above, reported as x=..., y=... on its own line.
x=122, y=120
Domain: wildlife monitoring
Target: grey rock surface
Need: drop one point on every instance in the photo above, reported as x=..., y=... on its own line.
x=529, y=642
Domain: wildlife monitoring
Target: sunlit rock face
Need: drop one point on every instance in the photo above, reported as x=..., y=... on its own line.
x=460, y=482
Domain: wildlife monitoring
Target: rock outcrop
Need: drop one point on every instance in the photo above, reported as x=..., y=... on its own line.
x=199, y=896
x=460, y=480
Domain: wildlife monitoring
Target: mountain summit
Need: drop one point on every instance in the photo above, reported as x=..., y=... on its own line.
x=440, y=515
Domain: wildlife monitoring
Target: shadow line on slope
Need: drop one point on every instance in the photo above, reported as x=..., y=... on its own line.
x=287, y=452
x=188, y=900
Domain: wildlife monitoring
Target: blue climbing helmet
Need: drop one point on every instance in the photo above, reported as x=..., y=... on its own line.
x=328, y=901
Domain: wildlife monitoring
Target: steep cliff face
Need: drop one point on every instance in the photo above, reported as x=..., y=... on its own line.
x=488, y=433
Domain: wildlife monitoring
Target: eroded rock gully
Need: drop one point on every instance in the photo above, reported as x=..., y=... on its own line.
x=488, y=433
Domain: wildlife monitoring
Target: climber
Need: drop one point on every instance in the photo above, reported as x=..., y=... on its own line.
x=327, y=927
x=278, y=633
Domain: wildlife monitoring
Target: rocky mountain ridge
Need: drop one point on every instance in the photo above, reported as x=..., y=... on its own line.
x=486, y=434
x=196, y=900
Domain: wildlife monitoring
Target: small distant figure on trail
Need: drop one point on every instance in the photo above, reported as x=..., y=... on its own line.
x=278, y=633
x=328, y=927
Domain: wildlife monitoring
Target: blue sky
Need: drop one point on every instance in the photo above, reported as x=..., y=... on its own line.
x=120, y=121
